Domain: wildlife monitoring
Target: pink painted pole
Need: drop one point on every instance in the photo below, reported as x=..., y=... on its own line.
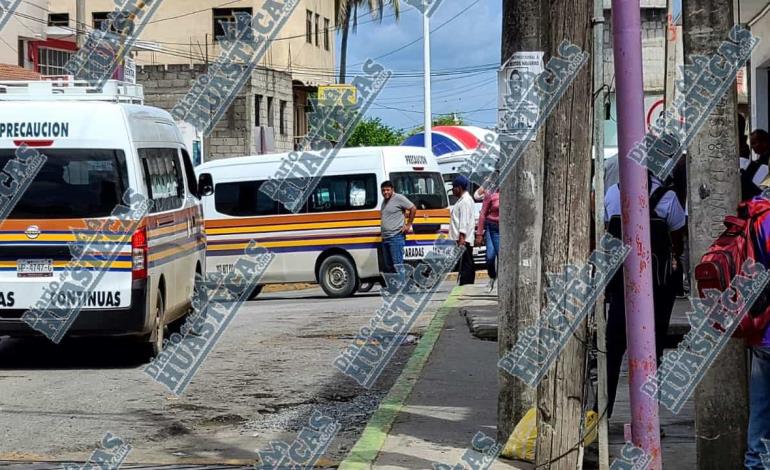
x=640, y=319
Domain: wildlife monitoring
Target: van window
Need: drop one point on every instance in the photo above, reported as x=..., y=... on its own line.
x=424, y=189
x=344, y=193
x=244, y=199
x=73, y=184
x=163, y=177
x=189, y=172
x=448, y=179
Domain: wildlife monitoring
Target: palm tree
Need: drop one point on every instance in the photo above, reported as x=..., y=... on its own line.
x=345, y=10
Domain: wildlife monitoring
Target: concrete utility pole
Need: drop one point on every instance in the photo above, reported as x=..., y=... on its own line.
x=426, y=82
x=566, y=236
x=80, y=22
x=521, y=214
x=721, y=412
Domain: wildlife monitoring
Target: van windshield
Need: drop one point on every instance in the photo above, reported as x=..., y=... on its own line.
x=424, y=189
x=72, y=184
x=448, y=179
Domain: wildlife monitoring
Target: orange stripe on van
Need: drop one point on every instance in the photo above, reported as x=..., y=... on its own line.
x=311, y=218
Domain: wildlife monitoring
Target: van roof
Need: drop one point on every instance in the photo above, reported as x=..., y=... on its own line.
x=113, y=120
x=68, y=89
x=343, y=153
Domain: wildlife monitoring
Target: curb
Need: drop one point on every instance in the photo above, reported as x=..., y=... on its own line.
x=368, y=446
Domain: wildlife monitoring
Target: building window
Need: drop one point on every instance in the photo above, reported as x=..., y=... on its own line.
x=257, y=110
x=326, y=33
x=100, y=18
x=282, y=117
x=270, y=122
x=226, y=16
x=52, y=61
x=309, y=27
x=317, y=27
x=59, y=19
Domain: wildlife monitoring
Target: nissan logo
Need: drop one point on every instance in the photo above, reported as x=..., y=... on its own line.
x=32, y=232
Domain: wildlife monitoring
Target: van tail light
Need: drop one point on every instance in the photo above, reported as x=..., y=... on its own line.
x=139, y=254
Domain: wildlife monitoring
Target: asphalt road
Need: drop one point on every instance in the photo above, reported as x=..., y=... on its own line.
x=269, y=371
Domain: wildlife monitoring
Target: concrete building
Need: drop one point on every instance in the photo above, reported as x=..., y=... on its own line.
x=182, y=37
x=756, y=15
x=654, y=33
x=25, y=24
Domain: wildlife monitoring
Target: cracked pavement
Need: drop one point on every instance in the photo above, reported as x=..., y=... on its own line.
x=270, y=369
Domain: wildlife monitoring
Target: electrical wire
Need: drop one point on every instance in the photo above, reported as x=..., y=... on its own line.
x=320, y=72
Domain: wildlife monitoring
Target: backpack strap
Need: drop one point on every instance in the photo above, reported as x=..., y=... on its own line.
x=655, y=198
x=752, y=168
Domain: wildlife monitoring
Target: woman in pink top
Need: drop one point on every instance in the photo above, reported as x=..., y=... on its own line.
x=489, y=228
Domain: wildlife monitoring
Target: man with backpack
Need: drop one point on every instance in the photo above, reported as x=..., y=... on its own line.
x=753, y=223
x=667, y=226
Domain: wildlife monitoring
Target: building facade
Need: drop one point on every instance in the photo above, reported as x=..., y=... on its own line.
x=27, y=23
x=183, y=36
x=655, y=32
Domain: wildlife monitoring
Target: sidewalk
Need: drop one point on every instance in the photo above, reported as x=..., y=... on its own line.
x=442, y=404
x=448, y=392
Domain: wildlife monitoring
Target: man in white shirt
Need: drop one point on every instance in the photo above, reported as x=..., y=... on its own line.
x=461, y=228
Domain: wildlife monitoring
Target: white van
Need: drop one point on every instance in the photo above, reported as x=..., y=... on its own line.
x=99, y=144
x=335, y=238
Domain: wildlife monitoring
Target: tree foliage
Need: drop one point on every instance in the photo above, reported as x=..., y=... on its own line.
x=451, y=119
x=372, y=132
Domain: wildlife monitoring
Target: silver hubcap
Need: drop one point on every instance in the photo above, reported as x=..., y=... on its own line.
x=337, y=276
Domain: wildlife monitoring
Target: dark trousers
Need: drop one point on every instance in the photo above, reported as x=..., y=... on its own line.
x=616, y=335
x=466, y=267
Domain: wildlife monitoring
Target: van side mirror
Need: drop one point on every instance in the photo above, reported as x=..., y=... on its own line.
x=205, y=184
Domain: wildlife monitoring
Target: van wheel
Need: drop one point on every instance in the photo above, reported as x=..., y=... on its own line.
x=338, y=277
x=154, y=344
x=257, y=290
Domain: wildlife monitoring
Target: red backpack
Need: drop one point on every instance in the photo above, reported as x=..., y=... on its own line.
x=724, y=258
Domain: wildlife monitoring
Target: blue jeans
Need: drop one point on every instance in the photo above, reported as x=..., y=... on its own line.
x=759, y=409
x=393, y=251
x=492, y=241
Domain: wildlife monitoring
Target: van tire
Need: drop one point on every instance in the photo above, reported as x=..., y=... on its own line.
x=153, y=345
x=338, y=277
x=257, y=290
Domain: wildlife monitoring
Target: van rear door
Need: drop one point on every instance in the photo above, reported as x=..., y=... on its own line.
x=75, y=190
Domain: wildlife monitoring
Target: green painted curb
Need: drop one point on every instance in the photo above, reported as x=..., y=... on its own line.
x=363, y=453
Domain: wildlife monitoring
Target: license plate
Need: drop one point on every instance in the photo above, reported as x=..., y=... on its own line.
x=417, y=252
x=34, y=268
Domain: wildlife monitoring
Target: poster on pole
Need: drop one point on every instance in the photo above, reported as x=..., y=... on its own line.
x=517, y=118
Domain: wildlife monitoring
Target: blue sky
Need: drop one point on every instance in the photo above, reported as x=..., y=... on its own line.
x=470, y=44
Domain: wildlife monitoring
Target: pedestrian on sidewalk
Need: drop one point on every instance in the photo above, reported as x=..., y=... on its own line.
x=667, y=227
x=489, y=228
x=753, y=172
x=461, y=228
x=397, y=214
x=754, y=329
